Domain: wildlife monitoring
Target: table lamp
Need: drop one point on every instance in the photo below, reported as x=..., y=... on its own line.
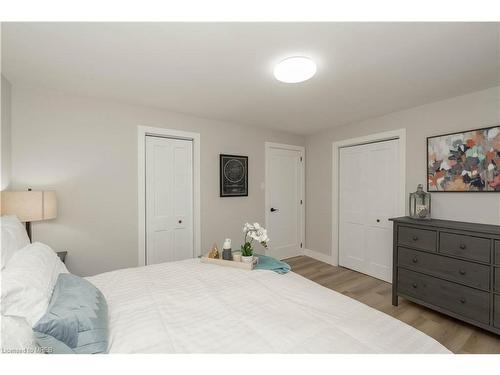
x=29, y=206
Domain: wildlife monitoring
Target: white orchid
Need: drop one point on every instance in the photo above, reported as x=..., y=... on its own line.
x=248, y=227
x=253, y=232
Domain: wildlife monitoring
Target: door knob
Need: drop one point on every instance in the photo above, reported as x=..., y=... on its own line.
x=274, y=209
x=180, y=221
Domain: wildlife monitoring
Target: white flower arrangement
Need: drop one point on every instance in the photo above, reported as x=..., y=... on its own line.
x=253, y=232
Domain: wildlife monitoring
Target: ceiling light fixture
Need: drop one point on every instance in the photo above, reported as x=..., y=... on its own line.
x=295, y=69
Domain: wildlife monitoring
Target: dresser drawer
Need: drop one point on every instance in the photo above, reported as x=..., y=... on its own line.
x=475, y=248
x=496, y=313
x=497, y=279
x=470, y=303
x=418, y=238
x=497, y=252
x=467, y=273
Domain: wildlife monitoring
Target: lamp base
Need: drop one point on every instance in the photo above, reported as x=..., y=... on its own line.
x=28, y=229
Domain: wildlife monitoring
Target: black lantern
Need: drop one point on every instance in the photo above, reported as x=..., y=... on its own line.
x=420, y=204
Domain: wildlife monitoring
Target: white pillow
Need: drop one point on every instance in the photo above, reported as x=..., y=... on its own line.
x=14, y=237
x=9, y=246
x=28, y=280
x=12, y=223
x=17, y=336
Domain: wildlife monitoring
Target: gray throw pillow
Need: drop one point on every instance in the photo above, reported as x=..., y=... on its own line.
x=76, y=320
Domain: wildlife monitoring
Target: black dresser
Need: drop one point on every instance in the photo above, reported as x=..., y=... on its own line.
x=449, y=266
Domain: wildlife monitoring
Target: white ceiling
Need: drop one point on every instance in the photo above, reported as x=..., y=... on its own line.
x=224, y=70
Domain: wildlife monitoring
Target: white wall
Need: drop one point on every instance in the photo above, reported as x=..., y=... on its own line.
x=86, y=150
x=480, y=109
x=5, y=134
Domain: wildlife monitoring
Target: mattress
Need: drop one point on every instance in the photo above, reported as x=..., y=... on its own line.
x=193, y=307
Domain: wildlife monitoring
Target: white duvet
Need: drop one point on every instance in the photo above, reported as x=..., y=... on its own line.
x=193, y=307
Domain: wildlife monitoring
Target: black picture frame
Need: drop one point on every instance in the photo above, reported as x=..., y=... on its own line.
x=233, y=175
x=427, y=161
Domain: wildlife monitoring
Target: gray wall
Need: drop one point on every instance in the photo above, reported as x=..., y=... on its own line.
x=86, y=150
x=5, y=138
x=480, y=109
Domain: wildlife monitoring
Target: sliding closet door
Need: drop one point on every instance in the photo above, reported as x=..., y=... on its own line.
x=369, y=181
x=169, y=200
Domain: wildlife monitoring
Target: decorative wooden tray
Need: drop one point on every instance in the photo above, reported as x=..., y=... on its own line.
x=231, y=263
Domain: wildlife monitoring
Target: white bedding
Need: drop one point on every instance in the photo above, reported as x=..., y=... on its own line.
x=193, y=307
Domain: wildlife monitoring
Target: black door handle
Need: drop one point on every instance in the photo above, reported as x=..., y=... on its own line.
x=274, y=209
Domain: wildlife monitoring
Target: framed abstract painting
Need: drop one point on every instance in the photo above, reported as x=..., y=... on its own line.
x=468, y=161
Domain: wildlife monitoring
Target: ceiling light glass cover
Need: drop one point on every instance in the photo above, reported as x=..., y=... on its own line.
x=295, y=69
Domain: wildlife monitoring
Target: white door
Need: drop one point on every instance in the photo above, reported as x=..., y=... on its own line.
x=169, y=200
x=369, y=192
x=284, y=208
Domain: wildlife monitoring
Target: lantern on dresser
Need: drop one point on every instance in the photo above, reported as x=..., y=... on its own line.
x=420, y=204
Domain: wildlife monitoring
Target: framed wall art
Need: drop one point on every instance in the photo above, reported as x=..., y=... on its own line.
x=233, y=176
x=468, y=161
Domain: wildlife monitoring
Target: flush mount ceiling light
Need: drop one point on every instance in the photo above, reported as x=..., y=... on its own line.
x=295, y=69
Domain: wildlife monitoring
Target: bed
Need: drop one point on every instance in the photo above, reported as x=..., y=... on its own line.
x=193, y=307
x=182, y=307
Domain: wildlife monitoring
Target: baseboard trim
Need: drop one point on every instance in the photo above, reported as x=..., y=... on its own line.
x=281, y=254
x=319, y=256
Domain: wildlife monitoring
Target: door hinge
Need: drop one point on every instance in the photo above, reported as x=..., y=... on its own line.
x=301, y=245
x=301, y=158
x=301, y=201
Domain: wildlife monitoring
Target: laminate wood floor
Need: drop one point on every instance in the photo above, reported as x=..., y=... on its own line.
x=457, y=336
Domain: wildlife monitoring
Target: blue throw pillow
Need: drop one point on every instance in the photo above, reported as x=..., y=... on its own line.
x=76, y=320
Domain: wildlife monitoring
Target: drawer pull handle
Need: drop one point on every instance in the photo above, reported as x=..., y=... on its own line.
x=462, y=300
x=415, y=285
x=462, y=246
x=415, y=260
x=415, y=238
x=462, y=272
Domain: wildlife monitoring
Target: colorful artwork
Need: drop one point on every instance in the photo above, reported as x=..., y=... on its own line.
x=468, y=161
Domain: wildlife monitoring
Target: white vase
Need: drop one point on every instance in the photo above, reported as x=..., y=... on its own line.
x=248, y=259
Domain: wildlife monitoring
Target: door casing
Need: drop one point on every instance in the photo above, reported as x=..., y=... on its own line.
x=268, y=147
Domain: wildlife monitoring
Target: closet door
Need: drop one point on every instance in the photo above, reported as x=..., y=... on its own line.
x=169, y=200
x=368, y=198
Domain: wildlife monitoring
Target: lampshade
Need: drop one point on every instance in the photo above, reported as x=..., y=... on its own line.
x=30, y=205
